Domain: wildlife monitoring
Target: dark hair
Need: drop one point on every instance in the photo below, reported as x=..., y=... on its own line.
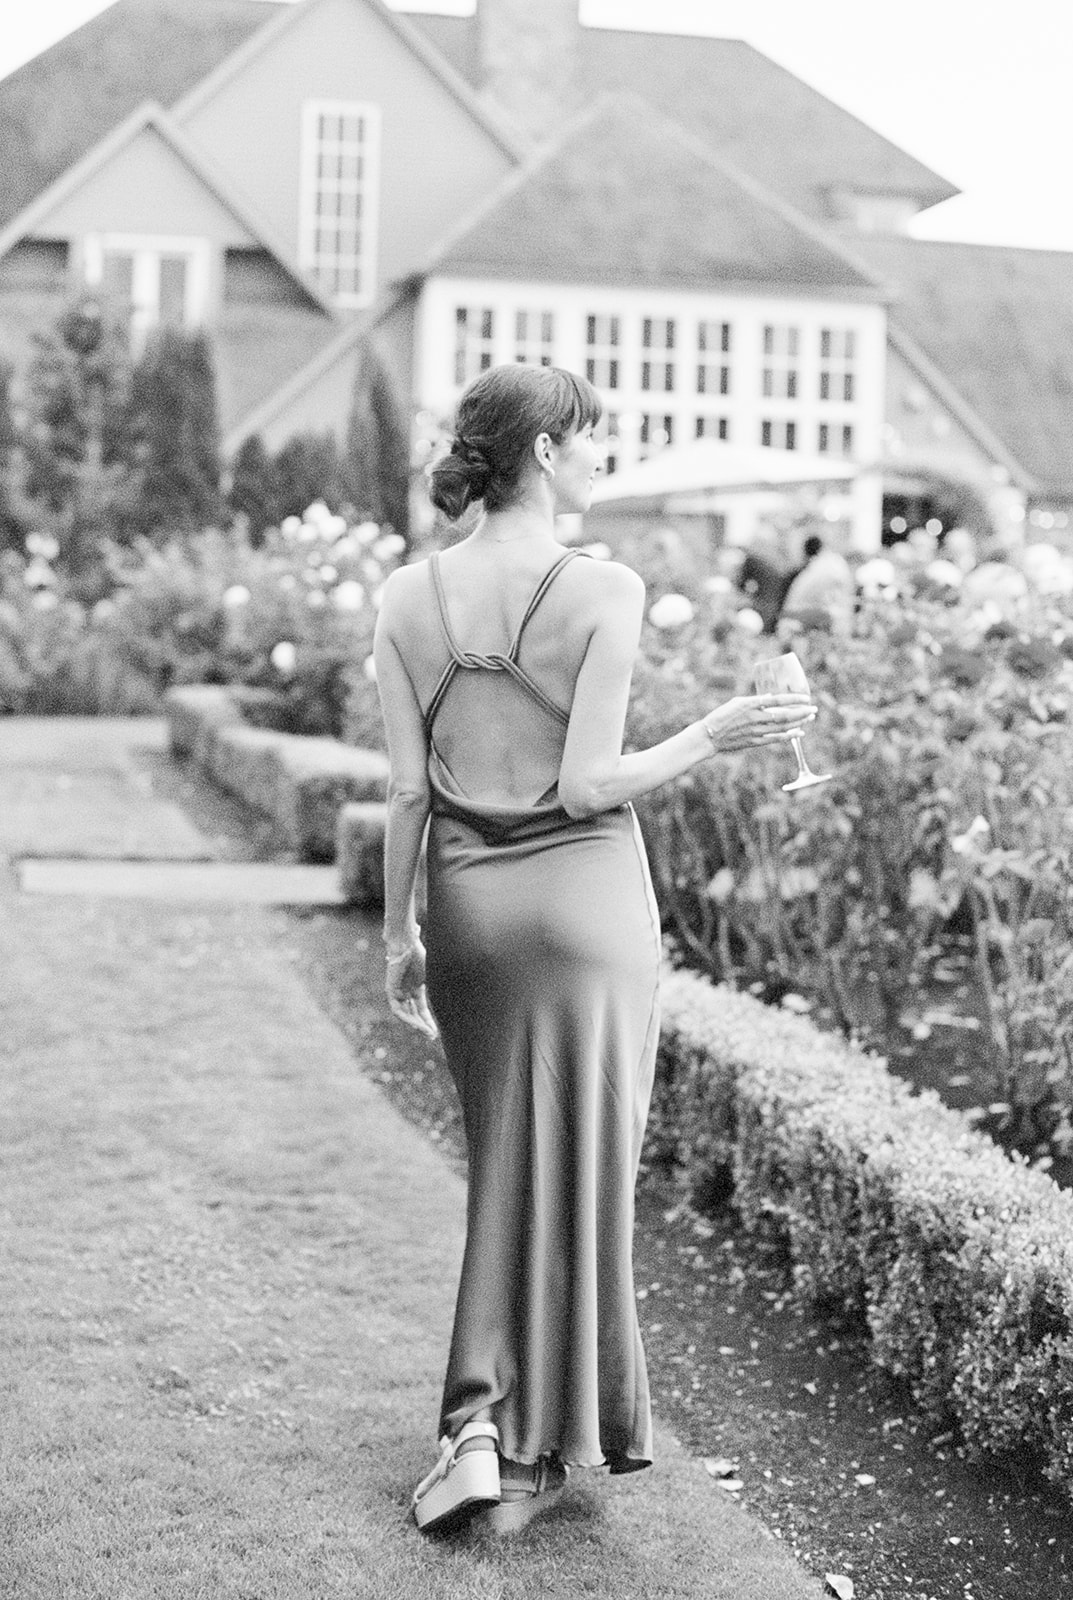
x=499, y=417
x=812, y=546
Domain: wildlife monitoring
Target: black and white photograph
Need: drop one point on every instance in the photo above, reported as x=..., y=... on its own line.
x=536, y=800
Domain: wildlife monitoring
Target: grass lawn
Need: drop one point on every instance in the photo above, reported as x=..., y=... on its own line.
x=225, y=1292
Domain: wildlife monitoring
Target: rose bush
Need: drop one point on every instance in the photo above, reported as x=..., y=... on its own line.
x=290, y=621
x=848, y=899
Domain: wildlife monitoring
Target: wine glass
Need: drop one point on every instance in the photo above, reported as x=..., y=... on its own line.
x=786, y=675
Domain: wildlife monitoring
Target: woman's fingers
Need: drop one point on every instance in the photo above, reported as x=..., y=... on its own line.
x=413, y=1009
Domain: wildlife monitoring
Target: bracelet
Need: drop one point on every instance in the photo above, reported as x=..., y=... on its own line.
x=395, y=961
x=710, y=732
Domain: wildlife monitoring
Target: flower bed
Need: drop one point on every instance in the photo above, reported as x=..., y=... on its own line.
x=958, y=1260
x=942, y=842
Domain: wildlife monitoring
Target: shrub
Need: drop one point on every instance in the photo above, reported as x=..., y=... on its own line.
x=957, y=1260
x=172, y=436
x=851, y=895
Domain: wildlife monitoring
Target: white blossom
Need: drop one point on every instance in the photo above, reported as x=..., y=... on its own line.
x=349, y=596
x=967, y=843
x=671, y=611
x=368, y=666
x=749, y=621
x=944, y=572
x=237, y=595
x=284, y=657
x=390, y=546
x=366, y=532
x=291, y=527
x=328, y=574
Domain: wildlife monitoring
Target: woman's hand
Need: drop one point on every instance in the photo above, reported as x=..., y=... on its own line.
x=757, y=719
x=405, y=989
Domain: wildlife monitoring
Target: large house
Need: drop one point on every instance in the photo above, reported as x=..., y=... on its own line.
x=721, y=248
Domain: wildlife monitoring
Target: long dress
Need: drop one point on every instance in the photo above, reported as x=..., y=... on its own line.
x=543, y=975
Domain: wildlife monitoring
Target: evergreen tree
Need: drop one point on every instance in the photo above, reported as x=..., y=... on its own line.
x=254, y=491
x=11, y=529
x=377, y=456
x=308, y=468
x=173, y=435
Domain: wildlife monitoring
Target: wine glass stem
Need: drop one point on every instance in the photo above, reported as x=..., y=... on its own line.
x=803, y=768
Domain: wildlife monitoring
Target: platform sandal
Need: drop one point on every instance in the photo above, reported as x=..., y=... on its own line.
x=520, y=1503
x=459, y=1484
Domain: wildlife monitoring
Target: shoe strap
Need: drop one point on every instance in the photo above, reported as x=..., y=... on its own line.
x=474, y=1430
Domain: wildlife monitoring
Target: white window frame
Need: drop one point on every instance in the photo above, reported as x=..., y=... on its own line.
x=838, y=366
x=715, y=344
x=474, y=349
x=146, y=251
x=712, y=425
x=659, y=355
x=603, y=350
x=534, y=336
x=781, y=355
x=310, y=220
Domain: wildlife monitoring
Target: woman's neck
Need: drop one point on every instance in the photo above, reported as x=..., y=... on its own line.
x=523, y=522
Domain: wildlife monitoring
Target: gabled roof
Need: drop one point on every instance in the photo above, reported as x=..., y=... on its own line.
x=59, y=105
x=288, y=16
x=626, y=196
x=155, y=118
x=998, y=323
x=766, y=120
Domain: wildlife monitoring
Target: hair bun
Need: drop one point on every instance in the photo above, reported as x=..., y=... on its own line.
x=459, y=478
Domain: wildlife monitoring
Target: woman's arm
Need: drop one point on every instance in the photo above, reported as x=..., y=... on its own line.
x=407, y=814
x=595, y=774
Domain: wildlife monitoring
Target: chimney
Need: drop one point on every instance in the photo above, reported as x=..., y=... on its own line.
x=528, y=55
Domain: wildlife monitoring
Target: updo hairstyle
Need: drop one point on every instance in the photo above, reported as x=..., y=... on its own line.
x=499, y=417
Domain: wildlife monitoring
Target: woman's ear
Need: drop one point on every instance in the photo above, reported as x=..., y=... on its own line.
x=544, y=451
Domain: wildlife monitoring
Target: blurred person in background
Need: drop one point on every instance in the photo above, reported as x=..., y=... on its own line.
x=825, y=583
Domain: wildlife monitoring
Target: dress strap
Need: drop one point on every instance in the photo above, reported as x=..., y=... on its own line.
x=541, y=590
x=441, y=606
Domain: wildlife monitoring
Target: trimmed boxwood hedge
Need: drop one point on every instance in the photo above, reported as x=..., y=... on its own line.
x=958, y=1260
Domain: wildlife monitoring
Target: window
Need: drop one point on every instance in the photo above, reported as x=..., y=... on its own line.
x=340, y=178
x=474, y=342
x=657, y=364
x=832, y=439
x=159, y=282
x=603, y=339
x=837, y=353
x=657, y=432
x=534, y=337
x=779, y=375
x=713, y=350
x=609, y=434
x=713, y=428
x=779, y=435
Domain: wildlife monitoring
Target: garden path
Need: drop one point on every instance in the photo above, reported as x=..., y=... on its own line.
x=229, y=1265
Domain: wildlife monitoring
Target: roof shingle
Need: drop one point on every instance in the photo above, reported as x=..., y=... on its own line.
x=56, y=107
x=768, y=122
x=998, y=322
x=626, y=196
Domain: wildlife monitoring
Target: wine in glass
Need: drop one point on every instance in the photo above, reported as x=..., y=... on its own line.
x=786, y=675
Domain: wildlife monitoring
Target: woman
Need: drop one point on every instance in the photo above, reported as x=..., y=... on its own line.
x=504, y=667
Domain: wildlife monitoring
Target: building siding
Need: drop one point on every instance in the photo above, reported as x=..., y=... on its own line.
x=436, y=160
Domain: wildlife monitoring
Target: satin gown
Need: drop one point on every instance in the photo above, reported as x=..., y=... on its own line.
x=543, y=975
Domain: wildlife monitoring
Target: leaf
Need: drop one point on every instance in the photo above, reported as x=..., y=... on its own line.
x=865, y=1479
x=731, y=1485
x=720, y=1466
x=839, y=1585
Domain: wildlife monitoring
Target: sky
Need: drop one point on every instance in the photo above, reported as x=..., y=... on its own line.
x=976, y=89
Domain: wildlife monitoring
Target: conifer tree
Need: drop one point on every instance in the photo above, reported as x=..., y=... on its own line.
x=173, y=435
x=254, y=490
x=377, y=455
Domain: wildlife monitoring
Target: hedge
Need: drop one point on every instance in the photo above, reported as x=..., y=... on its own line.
x=301, y=783
x=957, y=1260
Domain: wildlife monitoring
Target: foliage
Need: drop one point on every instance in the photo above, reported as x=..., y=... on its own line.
x=171, y=435
x=957, y=1260
x=378, y=446
x=932, y=715
x=291, y=619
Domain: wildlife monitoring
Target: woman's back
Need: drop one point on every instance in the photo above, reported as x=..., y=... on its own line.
x=494, y=639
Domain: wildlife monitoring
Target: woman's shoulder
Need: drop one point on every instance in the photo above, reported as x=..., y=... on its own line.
x=613, y=580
